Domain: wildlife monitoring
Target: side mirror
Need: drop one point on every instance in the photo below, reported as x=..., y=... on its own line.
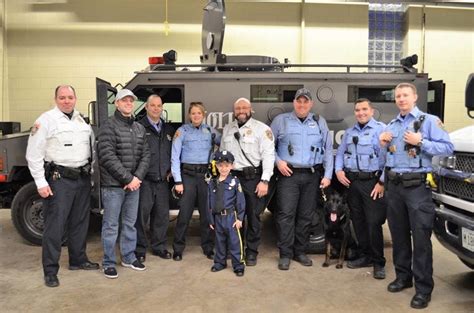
x=469, y=97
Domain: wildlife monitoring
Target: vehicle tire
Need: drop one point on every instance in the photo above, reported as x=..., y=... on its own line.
x=27, y=213
x=470, y=265
x=316, y=244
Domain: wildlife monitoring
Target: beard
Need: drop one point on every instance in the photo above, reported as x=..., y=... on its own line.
x=243, y=118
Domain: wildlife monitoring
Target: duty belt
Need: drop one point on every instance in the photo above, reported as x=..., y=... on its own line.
x=193, y=169
x=59, y=171
x=406, y=179
x=362, y=175
x=313, y=169
x=248, y=172
x=225, y=212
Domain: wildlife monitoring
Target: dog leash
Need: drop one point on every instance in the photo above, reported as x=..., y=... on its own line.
x=323, y=194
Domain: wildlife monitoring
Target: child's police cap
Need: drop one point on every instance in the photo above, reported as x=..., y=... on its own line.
x=224, y=156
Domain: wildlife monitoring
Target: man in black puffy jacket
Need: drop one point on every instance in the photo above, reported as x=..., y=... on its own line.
x=154, y=191
x=124, y=157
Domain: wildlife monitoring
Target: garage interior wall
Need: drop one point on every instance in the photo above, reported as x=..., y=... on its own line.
x=449, y=54
x=2, y=59
x=74, y=41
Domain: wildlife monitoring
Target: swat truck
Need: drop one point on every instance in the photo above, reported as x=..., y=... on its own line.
x=218, y=80
x=454, y=192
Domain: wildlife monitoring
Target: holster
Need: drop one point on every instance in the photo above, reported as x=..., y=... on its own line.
x=251, y=172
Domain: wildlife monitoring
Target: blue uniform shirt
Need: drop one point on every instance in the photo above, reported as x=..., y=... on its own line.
x=366, y=156
x=192, y=145
x=435, y=142
x=233, y=197
x=303, y=144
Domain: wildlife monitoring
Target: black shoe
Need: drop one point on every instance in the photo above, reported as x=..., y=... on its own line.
x=420, y=301
x=359, y=263
x=51, y=280
x=303, y=259
x=136, y=265
x=239, y=273
x=379, y=272
x=141, y=257
x=398, y=285
x=87, y=265
x=284, y=264
x=216, y=269
x=177, y=256
x=165, y=254
x=110, y=272
x=251, y=260
x=209, y=255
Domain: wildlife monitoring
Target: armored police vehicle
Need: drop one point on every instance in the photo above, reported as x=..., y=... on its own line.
x=218, y=80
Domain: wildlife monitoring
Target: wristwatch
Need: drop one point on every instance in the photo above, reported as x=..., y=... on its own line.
x=264, y=181
x=420, y=143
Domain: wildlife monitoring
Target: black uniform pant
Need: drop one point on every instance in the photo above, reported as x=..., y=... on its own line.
x=254, y=206
x=154, y=208
x=68, y=208
x=410, y=218
x=296, y=196
x=195, y=188
x=228, y=239
x=368, y=216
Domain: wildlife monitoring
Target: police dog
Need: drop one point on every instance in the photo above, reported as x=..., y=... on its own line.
x=337, y=225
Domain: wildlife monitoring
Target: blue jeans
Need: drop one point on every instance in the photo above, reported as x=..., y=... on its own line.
x=118, y=202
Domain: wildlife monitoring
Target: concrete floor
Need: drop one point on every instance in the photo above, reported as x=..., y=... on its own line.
x=189, y=286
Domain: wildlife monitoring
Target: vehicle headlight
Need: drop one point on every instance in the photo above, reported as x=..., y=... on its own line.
x=448, y=162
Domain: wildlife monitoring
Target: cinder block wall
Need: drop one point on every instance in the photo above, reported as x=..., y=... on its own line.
x=3, y=108
x=72, y=43
x=449, y=54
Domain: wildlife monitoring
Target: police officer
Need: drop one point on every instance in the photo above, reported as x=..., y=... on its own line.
x=193, y=145
x=412, y=139
x=303, y=154
x=251, y=142
x=154, y=192
x=359, y=165
x=59, y=155
x=225, y=210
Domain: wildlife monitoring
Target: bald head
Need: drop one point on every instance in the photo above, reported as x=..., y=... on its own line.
x=242, y=110
x=242, y=101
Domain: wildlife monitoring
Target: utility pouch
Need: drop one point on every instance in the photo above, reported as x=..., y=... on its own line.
x=249, y=172
x=86, y=169
x=71, y=173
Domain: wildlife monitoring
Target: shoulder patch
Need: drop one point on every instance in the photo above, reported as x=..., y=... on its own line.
x=177, y=134
x=35, y=128
x=440, y=124
x=239, y=187
x=269, y=134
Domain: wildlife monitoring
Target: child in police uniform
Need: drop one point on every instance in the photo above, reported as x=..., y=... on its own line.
x=226, y=209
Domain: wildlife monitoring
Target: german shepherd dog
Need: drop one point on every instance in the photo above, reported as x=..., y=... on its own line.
x=337, y=225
